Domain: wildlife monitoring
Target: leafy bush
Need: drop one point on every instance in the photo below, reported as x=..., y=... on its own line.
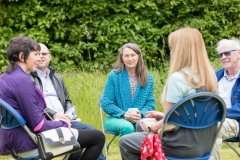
x=86, y=34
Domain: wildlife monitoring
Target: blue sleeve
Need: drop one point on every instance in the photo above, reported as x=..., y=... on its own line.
x=234, y=112
x=109, y=99
x=150, y=104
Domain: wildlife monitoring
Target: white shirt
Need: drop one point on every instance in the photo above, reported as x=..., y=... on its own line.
x=49, y=92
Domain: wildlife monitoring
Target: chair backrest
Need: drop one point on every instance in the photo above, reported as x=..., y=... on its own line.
x=12, y=119
x=197, y=111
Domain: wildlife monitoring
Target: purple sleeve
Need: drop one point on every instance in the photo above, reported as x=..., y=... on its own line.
x=31, y=104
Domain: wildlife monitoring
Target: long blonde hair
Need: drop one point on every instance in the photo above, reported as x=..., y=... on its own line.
x=188, y=51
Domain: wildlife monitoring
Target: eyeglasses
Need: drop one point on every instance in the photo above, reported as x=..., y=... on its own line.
x=43, y=54
x=226, y=53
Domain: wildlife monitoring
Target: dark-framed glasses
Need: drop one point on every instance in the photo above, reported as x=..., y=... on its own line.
x=43, y=54
x=226, y=53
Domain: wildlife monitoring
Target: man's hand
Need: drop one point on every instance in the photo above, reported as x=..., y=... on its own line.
x=57, y=116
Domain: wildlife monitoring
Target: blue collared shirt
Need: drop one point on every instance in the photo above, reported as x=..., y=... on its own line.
x=225, y=86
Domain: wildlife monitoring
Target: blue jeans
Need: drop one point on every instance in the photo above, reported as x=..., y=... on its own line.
x=76, y=124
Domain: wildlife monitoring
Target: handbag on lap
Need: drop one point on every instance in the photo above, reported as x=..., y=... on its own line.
x=56, y=142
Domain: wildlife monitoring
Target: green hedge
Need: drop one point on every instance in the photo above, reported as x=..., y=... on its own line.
x=86, y=34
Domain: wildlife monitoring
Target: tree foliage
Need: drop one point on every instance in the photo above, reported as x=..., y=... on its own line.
x=88, y=33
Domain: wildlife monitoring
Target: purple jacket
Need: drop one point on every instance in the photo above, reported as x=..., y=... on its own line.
x=19, y=91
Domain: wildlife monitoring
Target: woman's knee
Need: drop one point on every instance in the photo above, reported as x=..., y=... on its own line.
x=127, y=129
x=100, y=136
x=90, y=137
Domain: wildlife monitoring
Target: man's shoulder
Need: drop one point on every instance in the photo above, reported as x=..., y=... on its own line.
x=54, y=73
x=220, y=72
x=57, y=76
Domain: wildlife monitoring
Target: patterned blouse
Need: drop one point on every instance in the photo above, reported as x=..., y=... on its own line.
x=133, y=83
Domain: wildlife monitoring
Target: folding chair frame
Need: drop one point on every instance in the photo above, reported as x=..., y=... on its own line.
x=20, y=121
x=115, y=134
x=206, y=115
x=233, y=140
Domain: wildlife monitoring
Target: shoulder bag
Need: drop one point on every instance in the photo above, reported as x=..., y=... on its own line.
x=56, y=142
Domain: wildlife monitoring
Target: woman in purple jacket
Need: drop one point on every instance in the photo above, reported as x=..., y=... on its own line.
x=17, y=89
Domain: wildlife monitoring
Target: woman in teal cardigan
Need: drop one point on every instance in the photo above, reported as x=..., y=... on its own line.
x=129, y=85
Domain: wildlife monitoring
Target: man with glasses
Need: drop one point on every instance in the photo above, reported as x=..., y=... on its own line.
x=229, y=89
x=54, y=90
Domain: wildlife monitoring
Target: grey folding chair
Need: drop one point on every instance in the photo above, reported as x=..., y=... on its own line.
x=115, y=134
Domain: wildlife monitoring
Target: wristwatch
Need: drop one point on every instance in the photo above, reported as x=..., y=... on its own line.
x=149, y=129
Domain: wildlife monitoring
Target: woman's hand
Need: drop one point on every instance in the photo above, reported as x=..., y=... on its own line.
x=126, y=116
x=63, y=117
x=68, y=122
x=144, y=125
x=134, y=117
x=155, y=114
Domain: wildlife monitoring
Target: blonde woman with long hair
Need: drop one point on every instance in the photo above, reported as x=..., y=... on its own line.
x=190, y=72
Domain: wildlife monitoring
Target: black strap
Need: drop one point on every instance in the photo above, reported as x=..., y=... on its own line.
x=60, y=135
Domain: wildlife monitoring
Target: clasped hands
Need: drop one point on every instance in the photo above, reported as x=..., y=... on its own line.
x=133, y=117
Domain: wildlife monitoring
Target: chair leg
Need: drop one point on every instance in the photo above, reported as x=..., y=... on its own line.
x=233, y=148
x=106, y=151
x=111, y=142
x=103, y=130
x=66, y=157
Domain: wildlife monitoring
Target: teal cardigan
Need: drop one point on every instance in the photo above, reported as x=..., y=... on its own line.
x=117, y=95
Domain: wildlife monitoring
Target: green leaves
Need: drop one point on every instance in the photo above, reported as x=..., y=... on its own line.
x=89, y=32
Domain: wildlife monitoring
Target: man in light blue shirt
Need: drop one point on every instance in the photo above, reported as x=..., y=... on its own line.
x=54, y=91
x=49, y=92
x=229, y=87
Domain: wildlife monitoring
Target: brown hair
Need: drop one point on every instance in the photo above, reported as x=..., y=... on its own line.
x=141, y=72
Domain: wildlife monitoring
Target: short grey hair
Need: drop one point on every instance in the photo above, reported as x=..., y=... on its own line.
x=223, y=42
